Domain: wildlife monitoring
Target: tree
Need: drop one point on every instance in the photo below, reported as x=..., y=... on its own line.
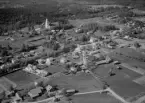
x=56, y=46
x=66, y=49
x=24, y=48
x=9, y=47
x=137, y=45
x=84, y=38
x=4, y=52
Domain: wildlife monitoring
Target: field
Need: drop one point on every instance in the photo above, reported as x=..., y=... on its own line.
x=122, y=82
x=124, y=86
x=98, y=20
x=103, y=71
x=6, y=84
x=129, y=56
x=22, y=78
x=55, y=68
x=81, y=82
x=94, y=98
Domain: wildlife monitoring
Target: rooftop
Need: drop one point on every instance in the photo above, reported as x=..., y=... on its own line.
x=35, y=92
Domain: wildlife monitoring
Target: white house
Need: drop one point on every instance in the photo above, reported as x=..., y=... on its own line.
x=63, y=60
x=92, y=39
x=48, y=88
x=49, y=61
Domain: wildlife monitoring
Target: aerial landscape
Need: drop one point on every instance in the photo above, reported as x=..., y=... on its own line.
x=72, y=51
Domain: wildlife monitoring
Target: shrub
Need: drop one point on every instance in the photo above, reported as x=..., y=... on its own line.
x=137, y=45
x=84, y=38
x=56, y=46
x=66, y=49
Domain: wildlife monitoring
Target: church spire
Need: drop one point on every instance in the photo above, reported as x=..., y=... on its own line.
x=47, y=26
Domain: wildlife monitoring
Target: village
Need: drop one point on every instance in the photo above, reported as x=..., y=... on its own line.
x=57, y=62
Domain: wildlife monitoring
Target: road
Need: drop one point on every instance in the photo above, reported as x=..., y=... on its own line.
x=99, y=91
x=117, y=96
x=140, y=100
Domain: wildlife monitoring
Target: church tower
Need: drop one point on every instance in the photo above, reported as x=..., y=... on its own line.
x=47, y=26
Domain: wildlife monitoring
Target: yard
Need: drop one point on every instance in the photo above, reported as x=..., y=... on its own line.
x=55, y=68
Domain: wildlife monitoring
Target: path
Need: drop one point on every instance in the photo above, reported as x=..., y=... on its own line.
x=117, y=96
x=99, y=91
x=140, y=100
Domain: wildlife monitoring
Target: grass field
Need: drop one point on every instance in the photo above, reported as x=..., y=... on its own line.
x=123, y=86
x=94, y=98
x=122, y=82
x=22, y=78
x=103, y=71
x=54, y=68
x=129, y=56
x=6, y=85
x=98, y=20
x=81, y=82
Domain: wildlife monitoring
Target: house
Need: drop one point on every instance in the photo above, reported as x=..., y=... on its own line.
x=41, y=61
x=49, y=61
x=49, y=88
x=78, y=30
x=42, y=73
x=116, y=62
x=126, y=37
x=92, y=40
x=109, y=46
x=35, y=92
x=30, y=68
x=25, y=30
x=75, y=55
x=90, y=32
x=70, y=91
x=73, y=69
x=17, y=98
x=10, y=38
x=78, y=49
x=37, y=28
x=63, y=60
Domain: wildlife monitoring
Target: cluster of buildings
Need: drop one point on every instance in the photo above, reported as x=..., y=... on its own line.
x=51, y=91
x=16, y=61
x=33, y=69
